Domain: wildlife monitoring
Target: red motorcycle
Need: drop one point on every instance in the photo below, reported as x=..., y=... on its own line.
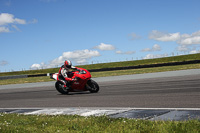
x=83, y=82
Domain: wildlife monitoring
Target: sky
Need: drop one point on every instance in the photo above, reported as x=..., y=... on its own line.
x=39, y=34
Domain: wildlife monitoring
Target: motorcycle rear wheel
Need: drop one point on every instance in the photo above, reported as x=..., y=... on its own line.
x=93, y=87
x=60, y=88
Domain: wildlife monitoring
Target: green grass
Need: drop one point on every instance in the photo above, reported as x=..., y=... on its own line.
x=63, y=123
x=25, y=80
x=144, y=62
x=146, y=70
x=66, y=123
x=110, y=73
x=113, y=64
x=105, y=74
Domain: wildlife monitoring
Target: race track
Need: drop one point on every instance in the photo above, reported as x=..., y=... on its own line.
x=176, y=91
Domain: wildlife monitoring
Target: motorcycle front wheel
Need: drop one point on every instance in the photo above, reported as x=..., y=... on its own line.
x=60, y=88
x=92, y=86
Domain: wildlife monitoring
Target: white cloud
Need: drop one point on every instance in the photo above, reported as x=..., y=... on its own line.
x=194, y=51
x=146, y=50
x=6, y=18
x=20, y=21
x=184, y=39
x=183, y=48
x=4, y=29
x=77, y=57
x=155, y=47
x=152, y=56
x=15, y=27
x=134, y=36
x=128, y=52
x=105, y=47
x=161, y=36
x=187, y=39
x=36, y=66
x=118, y=52
x=3, y=63
x=34, y=21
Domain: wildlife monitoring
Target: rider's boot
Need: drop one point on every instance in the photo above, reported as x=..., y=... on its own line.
x=67, y=85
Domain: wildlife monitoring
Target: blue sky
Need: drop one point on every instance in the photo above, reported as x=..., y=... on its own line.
x=37, y=34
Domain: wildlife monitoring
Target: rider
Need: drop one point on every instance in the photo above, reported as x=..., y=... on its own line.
x=65, y=72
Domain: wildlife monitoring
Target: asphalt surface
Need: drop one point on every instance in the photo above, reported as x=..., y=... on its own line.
x=157, y=90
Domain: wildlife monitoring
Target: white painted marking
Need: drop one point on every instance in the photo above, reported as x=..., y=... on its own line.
x=94, y=112
x=32, y=113
x=79, y=111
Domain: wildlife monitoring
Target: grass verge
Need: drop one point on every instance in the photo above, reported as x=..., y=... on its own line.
x=105, y=73
x=113, y=64
x=67, y=123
